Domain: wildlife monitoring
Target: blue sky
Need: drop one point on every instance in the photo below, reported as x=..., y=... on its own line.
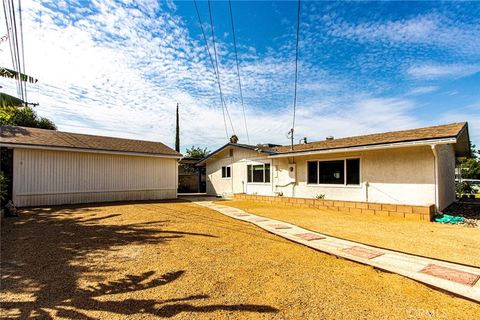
x=119, y=68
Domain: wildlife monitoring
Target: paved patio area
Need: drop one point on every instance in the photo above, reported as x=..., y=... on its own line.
x=458, y=279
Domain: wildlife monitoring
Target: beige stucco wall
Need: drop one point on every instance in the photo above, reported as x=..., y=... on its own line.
x=404, y=175
x=43, y=177
x=394, y=176
x=216, y=185
x=446, y=175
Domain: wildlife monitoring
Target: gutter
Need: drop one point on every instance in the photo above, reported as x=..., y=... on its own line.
x=435, y=174
x=366, y=148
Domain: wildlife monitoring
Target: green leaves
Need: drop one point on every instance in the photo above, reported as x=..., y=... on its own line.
x=12, y=74
x=25, y=117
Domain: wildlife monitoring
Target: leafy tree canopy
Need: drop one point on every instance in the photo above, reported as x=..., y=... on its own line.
x=470, y=167
x=25, y=117
x=196, y=152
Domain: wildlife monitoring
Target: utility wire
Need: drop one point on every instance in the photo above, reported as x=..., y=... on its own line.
x=216, y=64
x=8, y=17
x=296, y=71
x=213, y=67
x=238, y=69
x=17, y=49
x=23, y=47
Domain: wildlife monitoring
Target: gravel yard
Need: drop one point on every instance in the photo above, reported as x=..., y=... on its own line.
x=454, y=243
x=179, y=260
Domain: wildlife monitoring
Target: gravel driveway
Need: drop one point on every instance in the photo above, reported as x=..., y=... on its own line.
x=179, y=260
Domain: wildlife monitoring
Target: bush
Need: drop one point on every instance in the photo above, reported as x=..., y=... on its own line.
x=3, y=188
x=320, y=196
x=463, y=187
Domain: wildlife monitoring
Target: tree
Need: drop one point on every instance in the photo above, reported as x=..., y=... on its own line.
x=196, y=152
x=177, y=134
x=470, y=168
x=25, y=117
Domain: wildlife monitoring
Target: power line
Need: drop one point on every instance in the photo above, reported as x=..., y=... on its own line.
x=17, y=49
x=7, y=11
x=296, y=73
x=23, y=47
x=238, y=68
x=213, y=67
x=216, y=63
x=11, y=24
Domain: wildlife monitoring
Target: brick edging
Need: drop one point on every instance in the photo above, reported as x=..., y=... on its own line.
x=410, y=212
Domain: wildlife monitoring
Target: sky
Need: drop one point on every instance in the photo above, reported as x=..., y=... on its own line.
x=119, y=68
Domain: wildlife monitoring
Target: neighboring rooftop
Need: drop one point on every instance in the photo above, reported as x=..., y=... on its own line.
x=453, y=130
x=12, y=135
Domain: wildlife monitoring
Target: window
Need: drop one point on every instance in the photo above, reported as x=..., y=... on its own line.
x=258, y=173
x=331, y=172
x=226, y=172
x=353, y=171
x=312, y=168
x=341, y=172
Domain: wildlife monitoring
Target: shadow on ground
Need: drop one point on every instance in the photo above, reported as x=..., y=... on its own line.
x=40, y=251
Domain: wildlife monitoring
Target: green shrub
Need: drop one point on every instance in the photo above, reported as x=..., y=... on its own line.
x=3, y=188
x=463, y=187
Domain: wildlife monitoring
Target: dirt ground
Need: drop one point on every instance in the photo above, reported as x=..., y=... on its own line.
x=447, y=242
x=179, y=260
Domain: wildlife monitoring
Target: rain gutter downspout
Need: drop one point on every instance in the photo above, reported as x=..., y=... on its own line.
x=435, y=175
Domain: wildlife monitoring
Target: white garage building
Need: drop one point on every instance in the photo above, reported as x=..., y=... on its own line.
x=53, y=167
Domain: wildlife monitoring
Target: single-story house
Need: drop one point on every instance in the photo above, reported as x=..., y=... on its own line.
x=53, y=168
x=411, y=167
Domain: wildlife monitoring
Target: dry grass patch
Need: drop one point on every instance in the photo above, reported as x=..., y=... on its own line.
x=448, y=242
x=179, y=260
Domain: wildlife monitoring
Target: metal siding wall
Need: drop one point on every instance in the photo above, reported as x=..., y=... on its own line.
x=44, y=177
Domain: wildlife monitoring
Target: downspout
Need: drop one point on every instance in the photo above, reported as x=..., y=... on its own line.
x=435, y=174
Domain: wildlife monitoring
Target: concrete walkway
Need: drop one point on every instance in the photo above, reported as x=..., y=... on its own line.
x=455, y=278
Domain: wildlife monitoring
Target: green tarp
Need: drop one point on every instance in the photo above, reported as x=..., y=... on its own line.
x=446, y=218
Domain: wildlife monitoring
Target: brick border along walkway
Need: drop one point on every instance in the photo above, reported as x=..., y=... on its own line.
x=380, y=209
x=457, y=279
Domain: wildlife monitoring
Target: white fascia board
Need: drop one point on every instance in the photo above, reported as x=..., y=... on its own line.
x=124, y=153
x=367, y=148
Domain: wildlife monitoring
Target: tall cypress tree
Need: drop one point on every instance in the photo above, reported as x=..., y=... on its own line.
x=177, y=134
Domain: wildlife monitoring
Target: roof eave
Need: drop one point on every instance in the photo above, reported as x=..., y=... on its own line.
x=449, y=140
x=85, y=150
x=204, y=160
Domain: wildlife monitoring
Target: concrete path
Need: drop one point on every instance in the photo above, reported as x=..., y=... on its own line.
x=455, y=278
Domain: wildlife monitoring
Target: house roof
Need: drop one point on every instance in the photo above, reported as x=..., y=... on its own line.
x=51, y=139
x=453, y=130
x=457, y=131
x=258, y=148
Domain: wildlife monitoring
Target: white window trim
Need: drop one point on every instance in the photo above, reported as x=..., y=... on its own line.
x=327, y=185
x=221, y=173
x=259, y=163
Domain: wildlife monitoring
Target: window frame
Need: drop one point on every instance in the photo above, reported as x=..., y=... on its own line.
x=263, y=170
x=229, y=171
x=344, y=184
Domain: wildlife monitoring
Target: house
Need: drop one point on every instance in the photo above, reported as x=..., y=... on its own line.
x=52, y=167
x=410, y=167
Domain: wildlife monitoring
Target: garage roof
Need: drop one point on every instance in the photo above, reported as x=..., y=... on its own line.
x=50, y=139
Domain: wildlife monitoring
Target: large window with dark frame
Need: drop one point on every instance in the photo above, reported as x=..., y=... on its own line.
x=226, y=172
x=341, y=172
x=258, y=173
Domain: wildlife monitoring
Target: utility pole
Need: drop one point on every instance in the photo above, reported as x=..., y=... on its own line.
x=177, y=134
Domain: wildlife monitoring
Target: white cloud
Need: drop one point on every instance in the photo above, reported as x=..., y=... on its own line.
x=428, y=29
x=435, y=71
x=120, y=70
x=422, y=90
